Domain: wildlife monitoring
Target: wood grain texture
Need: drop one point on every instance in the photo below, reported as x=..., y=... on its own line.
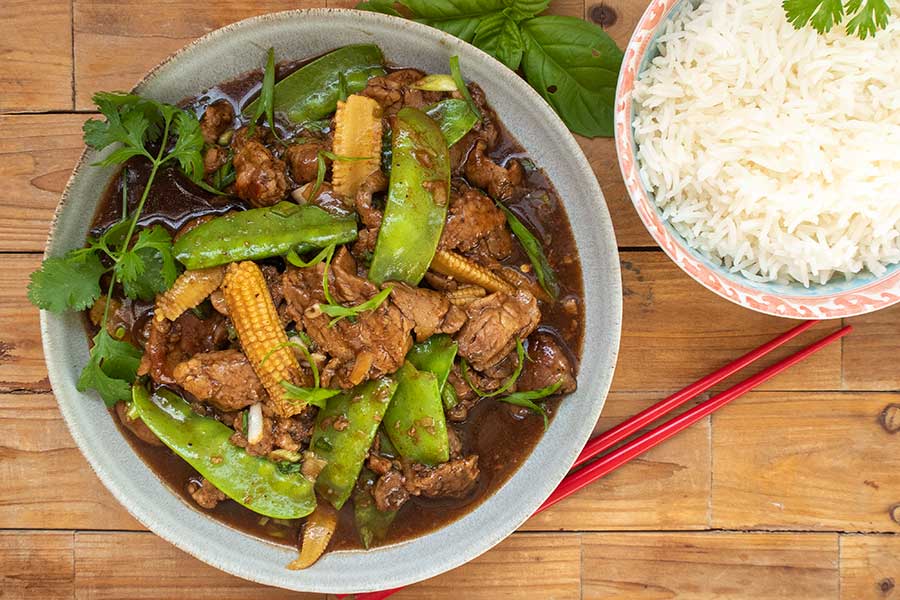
x=22, y=366
x=675, y=331
x=47, y=484
x=870, y=354
x=118, y=42
x=524, y=565
x=35, y=55
x=667, y=488
x=645, y=566
x=805, y=461
x=152, y=568
x=870, y=567
x=38, y=154
x=36, y=565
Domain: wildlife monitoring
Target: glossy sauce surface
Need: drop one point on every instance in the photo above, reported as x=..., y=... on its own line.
x=502, y=435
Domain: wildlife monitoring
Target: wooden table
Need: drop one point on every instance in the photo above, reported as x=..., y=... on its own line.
x=792, y=492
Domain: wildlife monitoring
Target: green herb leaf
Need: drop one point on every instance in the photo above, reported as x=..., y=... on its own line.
x=574, y=65
x=872, y=16
x=341, y=312
x=457, y=17
x=456, y=73
x=293, y=258
x=520, y=354
x=148, y=267
x=535, y=251
x=527, y=399
x=111, y=369
x=188, y=149
x=499, y=36
x=316, y=396
x=265, y=106
x=823, y=15
x=385, y=7
x=66, y=283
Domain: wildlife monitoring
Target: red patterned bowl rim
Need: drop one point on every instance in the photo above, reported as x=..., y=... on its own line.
x=878, y=294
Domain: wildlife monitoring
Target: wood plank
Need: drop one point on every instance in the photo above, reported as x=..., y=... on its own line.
x=675, y=331
x=870, y=567
x=118, y=42
x=869, y=359
x=668, y=488
x=36, y=564
x=103, y=570
x=67, y=494
x=711, y=565
x=805, y=460
x=571, y=8
x=36, y=54
x=553, y=571
x=22, y=366
x=39, y=153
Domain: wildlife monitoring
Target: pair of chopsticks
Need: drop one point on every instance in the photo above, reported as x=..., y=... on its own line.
x=608, y=463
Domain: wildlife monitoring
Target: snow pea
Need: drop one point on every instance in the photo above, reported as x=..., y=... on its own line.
x=418, y=195
x=415, y=420
x=204, y=443
x=436, y=355
x=454, y=117
x=371, y=523
x=261, y=233
x=343, y=434
x=312, y=91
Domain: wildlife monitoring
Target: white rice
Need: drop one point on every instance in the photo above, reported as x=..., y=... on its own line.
x=772, y=150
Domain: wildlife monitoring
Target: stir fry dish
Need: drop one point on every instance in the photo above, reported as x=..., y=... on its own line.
x=331, y=302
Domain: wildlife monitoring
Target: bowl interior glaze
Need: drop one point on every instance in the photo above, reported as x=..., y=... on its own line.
x=224, y=54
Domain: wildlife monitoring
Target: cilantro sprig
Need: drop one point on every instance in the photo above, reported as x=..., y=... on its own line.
x=866, y=16
x=142, y=262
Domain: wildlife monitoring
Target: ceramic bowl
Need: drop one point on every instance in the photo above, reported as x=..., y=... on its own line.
x=224, y=54
x=835, y=299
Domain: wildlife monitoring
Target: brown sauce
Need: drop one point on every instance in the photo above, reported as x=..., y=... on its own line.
x=500, y=434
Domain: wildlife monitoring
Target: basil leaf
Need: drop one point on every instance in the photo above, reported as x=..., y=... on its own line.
x=459, y=18
x=499, y=36
x=385, y=7
x=574, y=65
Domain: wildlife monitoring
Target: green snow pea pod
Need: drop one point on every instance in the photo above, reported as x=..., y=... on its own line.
x=418, y=195
x=371, y=523
x=204, y=443
x=454, y=117
x=436, y=355
x=344, y=432
x=415, y=420
x=312, y=91
x=261, y=233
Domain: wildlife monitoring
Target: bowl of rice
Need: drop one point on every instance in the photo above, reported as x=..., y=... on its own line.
x=763, y=159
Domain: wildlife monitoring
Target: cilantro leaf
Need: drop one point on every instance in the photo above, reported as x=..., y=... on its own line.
x=868, y=15
x=148, y=267
x=316, y=396
x=111, y=369
x=499, y=36
x=71, y=282
x=188, y=149
x=871, y=17
x=821, y=14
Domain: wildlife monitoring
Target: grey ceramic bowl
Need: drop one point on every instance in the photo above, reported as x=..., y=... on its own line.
x=238, y=48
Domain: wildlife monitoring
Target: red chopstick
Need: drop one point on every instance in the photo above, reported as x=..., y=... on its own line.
x=610, y=438
x=615, y=459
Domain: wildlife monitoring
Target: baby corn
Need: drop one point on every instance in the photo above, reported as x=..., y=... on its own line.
x=260, y=332
x=357, y=143
x=466, y=271
x=190, y=289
